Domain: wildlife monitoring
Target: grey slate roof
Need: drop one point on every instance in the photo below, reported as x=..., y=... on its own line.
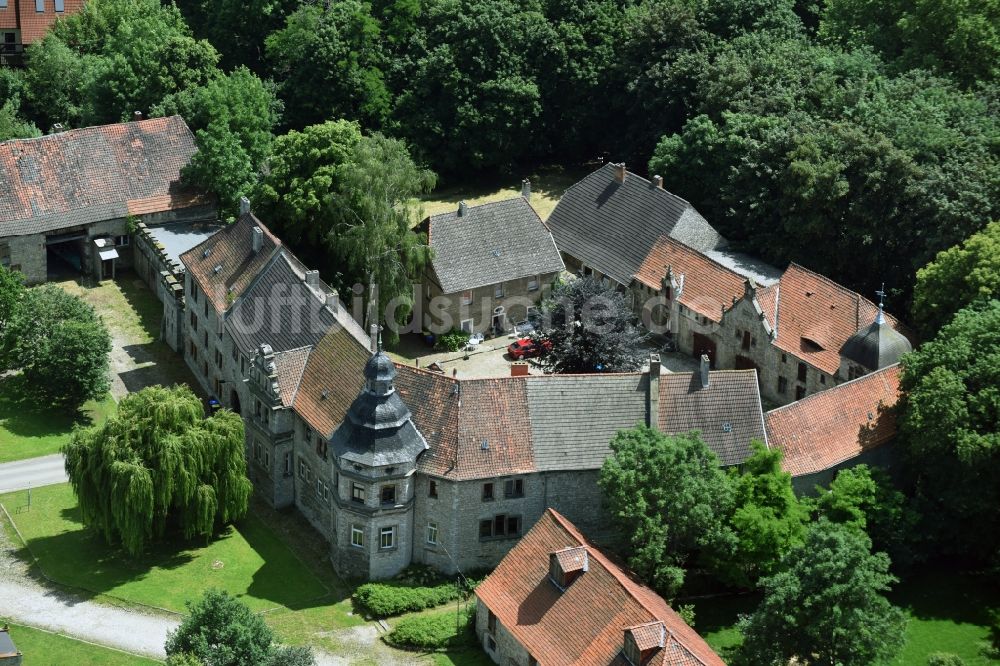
x=877, y=346
x=179, y=237
x=728, y=413
x=93, y=174
x=278, y=309
x=574, y=417
x=489, y=244
x=613, y=226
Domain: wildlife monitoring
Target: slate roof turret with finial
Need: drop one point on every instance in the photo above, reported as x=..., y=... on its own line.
x=879, y=345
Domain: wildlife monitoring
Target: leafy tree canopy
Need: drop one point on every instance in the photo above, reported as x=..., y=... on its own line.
x=826, y=606
x=220, y=630
x=670, y=498
x=958, y=277
x=959, y=37
x=949, y=430
x=233, y=117
x=11, y=294
x=12, y=126
x=591, y=328
x=57, y=341
x=328, y=59
x=158, y=463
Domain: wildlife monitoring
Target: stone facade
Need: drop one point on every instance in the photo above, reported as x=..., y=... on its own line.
x=496, y=639
x=443, y=312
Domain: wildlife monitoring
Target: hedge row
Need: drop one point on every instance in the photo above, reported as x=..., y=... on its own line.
x=434, y=632
x=395, y=598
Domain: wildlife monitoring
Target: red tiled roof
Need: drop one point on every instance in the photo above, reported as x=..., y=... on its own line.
x=289, y=366
x=586, y=623
x=816, y=316
x=708, y=285
x=34, y=24
x=97, y=173
x=231, y=252
x=835, y=425
x=331, y=380
x=648, y=636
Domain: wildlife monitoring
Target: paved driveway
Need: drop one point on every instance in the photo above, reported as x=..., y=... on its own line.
x=33, y=472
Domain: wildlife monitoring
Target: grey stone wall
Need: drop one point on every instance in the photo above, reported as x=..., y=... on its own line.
x=27, y=254
x=450, y=313
x=201, y=344
x=508, y=651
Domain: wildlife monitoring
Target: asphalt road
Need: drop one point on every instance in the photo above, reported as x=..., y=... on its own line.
x=33, y=472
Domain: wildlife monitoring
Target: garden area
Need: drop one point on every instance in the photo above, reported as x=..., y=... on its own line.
x=28, y=429
x=44, y=648
x=947, y=613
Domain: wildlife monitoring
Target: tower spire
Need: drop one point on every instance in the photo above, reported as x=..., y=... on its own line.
x=379, y=340
x=881, y=305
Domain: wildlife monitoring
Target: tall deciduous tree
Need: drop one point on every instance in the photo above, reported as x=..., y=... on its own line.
x=958, y=277
x=11, y=294
x=767, y=519
x=59, y=344
x=827, y=606
x=591, y=329
x=670, y=499
x=159, y=463
x=949, y=420
x=220, y=630
x=328, y=58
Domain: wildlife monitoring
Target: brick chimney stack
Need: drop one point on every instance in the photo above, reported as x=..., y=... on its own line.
x=463, y=208
x=658, y=182
x=258, y=239
x=620, y=172
x=526, y=189
x=706, y=363
x=654, y=391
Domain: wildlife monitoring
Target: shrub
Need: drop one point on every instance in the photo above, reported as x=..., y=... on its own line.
x=453, y=340
x=434, y=632
x=415, y=588
x=944, y=659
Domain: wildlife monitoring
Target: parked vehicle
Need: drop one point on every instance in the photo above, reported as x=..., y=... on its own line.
x=528, y=348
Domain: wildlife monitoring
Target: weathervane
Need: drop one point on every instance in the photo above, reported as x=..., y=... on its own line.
x=380, y=339
x=881, y=304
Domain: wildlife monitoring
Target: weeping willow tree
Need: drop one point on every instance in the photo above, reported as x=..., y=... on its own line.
x=159, y=465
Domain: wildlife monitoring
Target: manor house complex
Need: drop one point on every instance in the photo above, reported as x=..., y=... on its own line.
x=394, y=464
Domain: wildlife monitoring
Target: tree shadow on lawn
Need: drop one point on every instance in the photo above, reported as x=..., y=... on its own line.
x=940, y=594
x=283, y=579
x=22, y=415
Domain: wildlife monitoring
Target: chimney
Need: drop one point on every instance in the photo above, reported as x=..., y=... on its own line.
x=56, y=128
x=373, y=332
x=620, y=172
x=463, y=208
x=519, y=369
x=312, y=279
x=244, y=206
x=654, y=391
x=658, y=182
x=705, y=364
x=137, y=115
x=526, y=189
x=258, y=239
x=454, y=373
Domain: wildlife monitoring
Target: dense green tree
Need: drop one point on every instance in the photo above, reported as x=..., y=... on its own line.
x=472, y=99
x=158, y=463
x=220, y=630
x=867, y=498
x=303, y=175
x=949, y=420
x=237, y=28
x=731, y=18
x=60, y=345
x=670, y=499
x=826, y=606
x=958, y=277
x=328, y=60
x=591, y=329
x=374, y=233
x=11, y=294
x=12, y=126
x=56, y=81
x=767, y=519
x=831, y=164
x=958, y=37
x=233, y=117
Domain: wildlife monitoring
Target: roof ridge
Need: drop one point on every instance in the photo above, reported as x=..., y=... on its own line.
x=56, y=136
x=625, y=581
x=871, y=375
x=481, y=205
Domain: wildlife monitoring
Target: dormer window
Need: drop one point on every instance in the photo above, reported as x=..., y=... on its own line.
x=567, y=565
x=642, y=642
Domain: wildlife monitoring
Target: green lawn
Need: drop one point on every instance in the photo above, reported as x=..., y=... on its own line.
x=947, y=613
x=248, y=560
x=41, y=648
x=28, y=430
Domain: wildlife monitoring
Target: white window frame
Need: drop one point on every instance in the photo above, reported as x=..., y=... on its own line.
x=302, y=469
x=357, y=536
x=498, y=290
x=533, y=283
x=383, y=532
x=60, y=5
x=432, y=533
x=466, y=325
x=466, y=297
